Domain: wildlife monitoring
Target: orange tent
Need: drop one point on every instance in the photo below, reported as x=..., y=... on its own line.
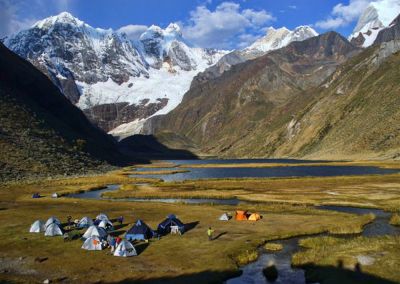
x=241, y=215
x=254, y=217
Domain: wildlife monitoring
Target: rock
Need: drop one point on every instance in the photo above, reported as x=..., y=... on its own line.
x=365, y=260
x=271, y=272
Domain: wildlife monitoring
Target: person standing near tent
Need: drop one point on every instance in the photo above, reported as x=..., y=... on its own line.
x=69, y=218
x=121, y=220
x=117, y=241
x=210, y=233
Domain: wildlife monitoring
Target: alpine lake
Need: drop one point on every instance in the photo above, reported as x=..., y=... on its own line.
x=322, y=222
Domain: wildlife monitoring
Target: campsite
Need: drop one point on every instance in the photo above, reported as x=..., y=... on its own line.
x=236, y=240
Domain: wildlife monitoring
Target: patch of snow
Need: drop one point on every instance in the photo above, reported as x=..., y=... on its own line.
x=128, y=129
x=365, y=260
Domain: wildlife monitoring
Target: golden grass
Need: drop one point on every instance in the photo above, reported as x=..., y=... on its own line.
x=273, y=246
x=328, y=251
x=395, y=219
x=246, y=257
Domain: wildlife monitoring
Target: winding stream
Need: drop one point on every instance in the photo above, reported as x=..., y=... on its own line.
x=253, y=272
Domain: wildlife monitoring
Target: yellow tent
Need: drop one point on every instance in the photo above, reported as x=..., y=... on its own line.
x=254, y=217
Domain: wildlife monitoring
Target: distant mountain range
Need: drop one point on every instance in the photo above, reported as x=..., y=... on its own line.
x=119, y=83
x=323, y=97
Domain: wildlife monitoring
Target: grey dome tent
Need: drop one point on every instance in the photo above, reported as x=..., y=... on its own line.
x=52, y=220
x=125, y=249
x=106, y=225
x=95, y=231
x=139, y=231
x=92, y=243
x=85, y=222
x=165, y=226
x=54, y=195
x=53, y=230
x=102, y=217
x=224, y=217
x=37, y=227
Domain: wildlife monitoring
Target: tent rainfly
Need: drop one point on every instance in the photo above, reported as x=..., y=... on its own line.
x=254, y=217
x=52, y=220
x=224, y=217
x=85, y=222
x=125, y=249
x=106, y=225
x=92, y=243
x=37, y=227
x=102, y=217
x=165, y=226
x=95, y=231
x=139, y=231
x=53, y=230
x=36, y=195
x=241, y=215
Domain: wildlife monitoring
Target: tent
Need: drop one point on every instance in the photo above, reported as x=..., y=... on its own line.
x=37, y=227
x=92, y=243
x=241, y=215
x=52, y=220
x=54, y=195
x=36, y=195
x=254, y=217
x=95, y=231
x=165, y=226
x=139, y=231
x=106, y=225
x=224, y=217
x=53, y=230
x=102, y=217
x=85, y=222
x=125, y=249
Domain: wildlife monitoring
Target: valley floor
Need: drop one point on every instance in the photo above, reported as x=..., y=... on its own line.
x=285, y=204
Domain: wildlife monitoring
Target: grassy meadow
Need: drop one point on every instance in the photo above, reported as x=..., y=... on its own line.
x=190, y=257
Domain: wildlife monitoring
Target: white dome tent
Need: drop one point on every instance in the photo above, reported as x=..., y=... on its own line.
x=125, y=249
x=85, y=222
x=102, y=217
x=95, y=231
x=53, y=230
x=224, y=217
x=52, y=220
x=37, y=227
x=106, y=225
x=92, y=243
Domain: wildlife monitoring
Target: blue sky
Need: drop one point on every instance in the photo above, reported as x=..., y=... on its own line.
x=207, y=23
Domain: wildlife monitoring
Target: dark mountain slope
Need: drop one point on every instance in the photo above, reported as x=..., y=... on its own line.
x=41, y=132
x=220, y=113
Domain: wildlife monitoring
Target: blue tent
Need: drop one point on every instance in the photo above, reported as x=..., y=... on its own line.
x=36, y=195
x=139, y=231
x=165, y=226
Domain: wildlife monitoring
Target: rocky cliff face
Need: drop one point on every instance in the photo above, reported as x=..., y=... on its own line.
x=41, y=132
x=97, y=68
x=217, y=113
x=390, y=33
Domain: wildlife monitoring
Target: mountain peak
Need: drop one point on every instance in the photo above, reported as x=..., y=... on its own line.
x=378, y=15
x=62, y=18
x=278, y=38
x=174, y=28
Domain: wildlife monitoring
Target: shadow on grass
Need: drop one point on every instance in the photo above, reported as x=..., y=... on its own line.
x=141, y=247
x=201, y=277
x=119, y=226
x=219, y=235
x=332, y=274
x=117, y=233
x=191, y=226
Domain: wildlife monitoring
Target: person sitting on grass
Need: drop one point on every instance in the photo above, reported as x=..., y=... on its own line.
x=210, y=233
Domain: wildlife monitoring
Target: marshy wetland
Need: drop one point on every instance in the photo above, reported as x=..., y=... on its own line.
x=313, y=212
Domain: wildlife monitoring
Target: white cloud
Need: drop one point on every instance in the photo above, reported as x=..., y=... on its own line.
x=293, y=7
x=342, y=15
x=9, y=20
x=225, y=26
x=133, y=32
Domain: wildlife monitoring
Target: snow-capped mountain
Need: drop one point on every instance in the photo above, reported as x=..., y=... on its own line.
x=96, y=67
x=377, y=16
x=278, y=38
